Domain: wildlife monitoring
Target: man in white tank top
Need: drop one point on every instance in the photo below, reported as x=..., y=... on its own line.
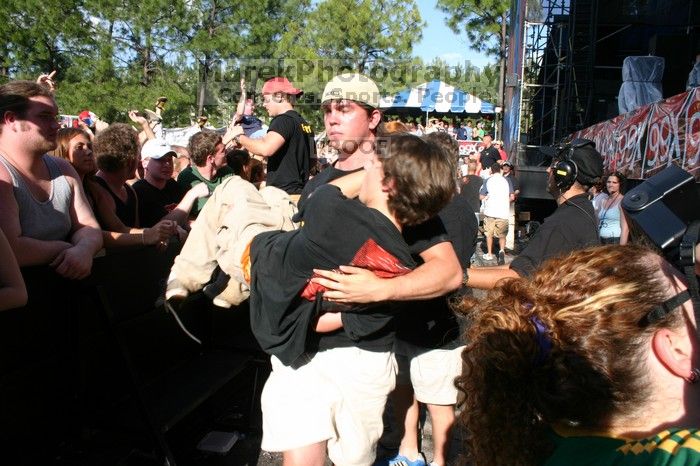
x=43, y=210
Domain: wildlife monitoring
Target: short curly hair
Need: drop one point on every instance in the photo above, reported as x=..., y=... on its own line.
x=116, y=147
x=202, y=145
x=422, y=177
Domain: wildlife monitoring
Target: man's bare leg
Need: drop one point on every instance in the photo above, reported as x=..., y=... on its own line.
x=489, y=245
x=409, y=442
x=442, y=418
x=308, y=455
x=502, y=243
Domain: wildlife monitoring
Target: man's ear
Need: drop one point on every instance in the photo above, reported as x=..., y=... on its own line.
x=375, y=118
x=8, y=118
x=674, y=349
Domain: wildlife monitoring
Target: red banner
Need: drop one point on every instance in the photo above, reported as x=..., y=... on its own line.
x=663, y=136
x=691, y=130
x=664, y=132
x=467, y=147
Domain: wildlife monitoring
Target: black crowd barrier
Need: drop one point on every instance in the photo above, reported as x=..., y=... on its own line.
x=101, y=355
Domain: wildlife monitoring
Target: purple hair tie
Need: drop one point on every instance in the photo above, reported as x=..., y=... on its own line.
x=544, y=343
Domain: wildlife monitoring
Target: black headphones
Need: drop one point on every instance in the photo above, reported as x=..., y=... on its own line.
x=565, y=169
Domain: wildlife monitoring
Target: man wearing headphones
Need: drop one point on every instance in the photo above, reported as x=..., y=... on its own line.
x=574, y=225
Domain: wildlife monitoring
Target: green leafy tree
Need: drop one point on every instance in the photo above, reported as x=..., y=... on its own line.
x=485, y=23
x=141, y=33
x=209, y=32
x=222, y=35
x=361, y=32
x=39, y=36
x=483, y=83
x=371, y=37
x=480, y=20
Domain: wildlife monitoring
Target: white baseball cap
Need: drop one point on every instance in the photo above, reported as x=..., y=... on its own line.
x=156, y=149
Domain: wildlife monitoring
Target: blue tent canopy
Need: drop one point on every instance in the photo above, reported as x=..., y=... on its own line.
x=437, y=96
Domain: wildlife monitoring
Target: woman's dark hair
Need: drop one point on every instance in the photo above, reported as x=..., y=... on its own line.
x=621, y=178
x=63, y=138
x=237, y=159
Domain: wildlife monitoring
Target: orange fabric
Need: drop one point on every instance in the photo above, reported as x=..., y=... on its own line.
x=245, y=263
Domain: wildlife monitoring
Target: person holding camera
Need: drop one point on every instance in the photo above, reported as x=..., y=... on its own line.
x=596, y=367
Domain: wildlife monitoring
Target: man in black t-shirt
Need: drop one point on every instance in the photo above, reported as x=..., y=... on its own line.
x=350, y=104
x=489, y=154
x=572, y=226
x=289, y=142
x=470, y=187
x=159, y=195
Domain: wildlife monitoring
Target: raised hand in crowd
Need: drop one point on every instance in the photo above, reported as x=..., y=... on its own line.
x=47, y=80
x=241, y=103
x=141, y=120
x=84, y=126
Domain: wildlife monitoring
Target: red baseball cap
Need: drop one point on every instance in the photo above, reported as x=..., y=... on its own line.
x=279, y=84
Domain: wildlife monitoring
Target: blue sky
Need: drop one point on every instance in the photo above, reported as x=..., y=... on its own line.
x=439, y=40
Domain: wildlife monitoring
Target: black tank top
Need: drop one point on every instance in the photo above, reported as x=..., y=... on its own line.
x=126, y=211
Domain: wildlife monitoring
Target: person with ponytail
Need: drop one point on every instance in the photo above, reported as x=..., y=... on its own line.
x=593, y=360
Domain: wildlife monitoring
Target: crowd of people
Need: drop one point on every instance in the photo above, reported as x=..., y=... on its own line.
x=462, y=130
x=360, y=281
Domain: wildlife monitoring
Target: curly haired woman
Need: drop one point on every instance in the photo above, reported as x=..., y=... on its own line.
x=592, y=361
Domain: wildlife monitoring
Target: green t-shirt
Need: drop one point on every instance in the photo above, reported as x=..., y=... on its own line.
x=672, y=447
x=190, y=176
